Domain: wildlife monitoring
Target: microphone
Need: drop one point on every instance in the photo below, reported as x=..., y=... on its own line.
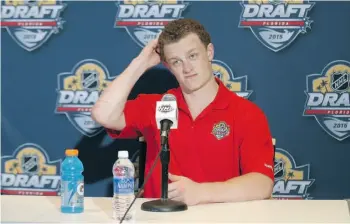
x=166, y=116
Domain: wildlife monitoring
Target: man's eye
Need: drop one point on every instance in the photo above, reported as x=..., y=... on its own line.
x=192, y=56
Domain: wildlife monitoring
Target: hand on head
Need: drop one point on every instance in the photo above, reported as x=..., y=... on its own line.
x=149, y=54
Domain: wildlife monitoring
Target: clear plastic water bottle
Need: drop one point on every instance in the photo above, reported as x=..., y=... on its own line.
x=72, y=183
x=123, y=186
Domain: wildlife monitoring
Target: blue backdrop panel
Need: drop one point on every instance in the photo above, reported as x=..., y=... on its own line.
x=292, y=60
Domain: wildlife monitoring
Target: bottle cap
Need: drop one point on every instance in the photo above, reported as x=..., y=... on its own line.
x=72, y=152
x=123, y=154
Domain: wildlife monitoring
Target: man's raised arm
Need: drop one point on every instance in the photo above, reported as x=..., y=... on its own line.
x=109, y=108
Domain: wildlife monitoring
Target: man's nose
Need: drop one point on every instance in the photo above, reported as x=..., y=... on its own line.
x=187, y=67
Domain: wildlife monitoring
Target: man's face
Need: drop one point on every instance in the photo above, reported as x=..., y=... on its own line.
x=190, y=61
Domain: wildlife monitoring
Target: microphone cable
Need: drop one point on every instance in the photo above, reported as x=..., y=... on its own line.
x=143, y=185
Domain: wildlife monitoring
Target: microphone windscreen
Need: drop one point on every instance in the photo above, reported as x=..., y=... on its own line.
x=168, y=97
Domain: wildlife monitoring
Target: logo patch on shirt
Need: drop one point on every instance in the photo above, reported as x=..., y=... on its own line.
x=220, y=130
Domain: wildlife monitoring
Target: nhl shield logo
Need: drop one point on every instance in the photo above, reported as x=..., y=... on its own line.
x=31, y=23
x=221, y=130
x=276, y=23
x=78, y=91
x=340, y=81
x=90, y=80
x=30, y=163
x=279, y=171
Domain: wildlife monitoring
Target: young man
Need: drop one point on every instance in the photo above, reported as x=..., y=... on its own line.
x=222, y=150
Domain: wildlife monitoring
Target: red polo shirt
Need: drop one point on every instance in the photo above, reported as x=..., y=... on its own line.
x=229, y=138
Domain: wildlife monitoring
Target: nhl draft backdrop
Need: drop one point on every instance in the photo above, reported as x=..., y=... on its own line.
x=291, y=58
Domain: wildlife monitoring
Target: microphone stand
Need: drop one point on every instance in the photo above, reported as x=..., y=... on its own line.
x=164, y=204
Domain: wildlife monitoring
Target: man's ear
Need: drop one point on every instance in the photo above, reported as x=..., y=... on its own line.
x=210, y=51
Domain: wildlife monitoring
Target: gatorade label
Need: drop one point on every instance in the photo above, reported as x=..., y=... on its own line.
x=72, y=193
x=123, y=185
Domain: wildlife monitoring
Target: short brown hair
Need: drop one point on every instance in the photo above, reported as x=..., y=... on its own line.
x=178, y=29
